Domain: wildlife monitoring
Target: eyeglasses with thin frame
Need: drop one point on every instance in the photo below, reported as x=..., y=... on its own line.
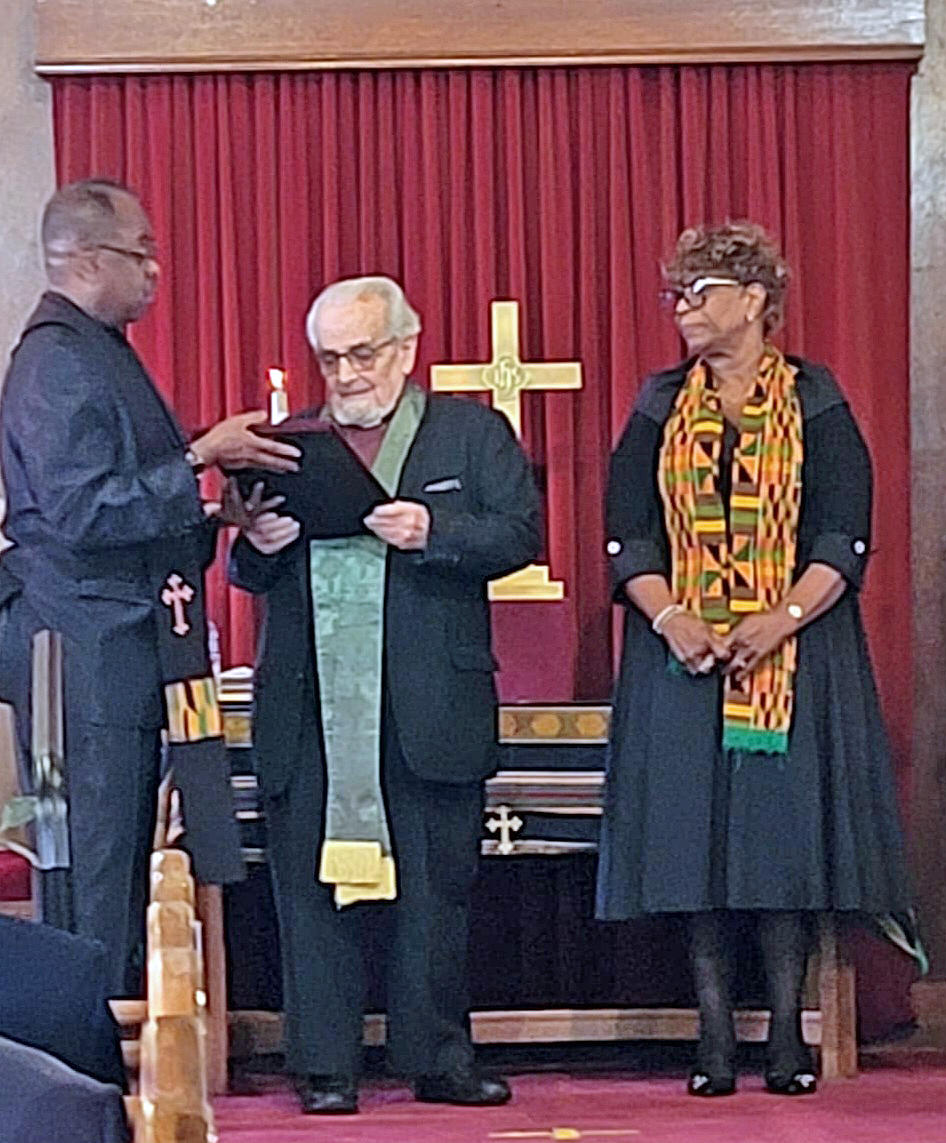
x=360, y=357
x=139, y=256
x=693, y=293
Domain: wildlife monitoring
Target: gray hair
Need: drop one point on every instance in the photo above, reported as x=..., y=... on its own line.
x=78, y=216
x=402, y=320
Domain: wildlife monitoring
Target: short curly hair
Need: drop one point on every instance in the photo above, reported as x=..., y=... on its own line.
x=742, y=250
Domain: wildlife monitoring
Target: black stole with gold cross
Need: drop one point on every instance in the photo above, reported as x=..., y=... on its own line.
x=195, y=756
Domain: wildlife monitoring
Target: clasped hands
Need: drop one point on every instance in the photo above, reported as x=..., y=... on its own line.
x=700, y=648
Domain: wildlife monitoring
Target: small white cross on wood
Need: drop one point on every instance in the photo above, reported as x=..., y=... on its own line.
x=176, y=595
x=505, y=826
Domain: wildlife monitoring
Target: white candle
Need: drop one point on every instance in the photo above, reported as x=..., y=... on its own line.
x=278, y=397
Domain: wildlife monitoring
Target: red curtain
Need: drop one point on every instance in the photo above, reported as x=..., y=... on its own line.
x=560, y=187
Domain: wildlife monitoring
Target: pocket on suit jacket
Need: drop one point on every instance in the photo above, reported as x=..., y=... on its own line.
x=472, y=657
x=447, y=484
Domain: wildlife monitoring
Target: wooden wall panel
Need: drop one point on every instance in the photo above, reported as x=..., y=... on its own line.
x=928, y=414
x=200, y=35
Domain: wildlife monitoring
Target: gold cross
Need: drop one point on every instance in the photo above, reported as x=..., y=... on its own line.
x=506, y=375
x=505, y=826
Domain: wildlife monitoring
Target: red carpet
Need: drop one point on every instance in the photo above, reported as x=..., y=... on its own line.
x=887, y=1105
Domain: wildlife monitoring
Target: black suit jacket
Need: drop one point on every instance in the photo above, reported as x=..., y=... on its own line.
x=438, y=662
x=54, y=997
x=96, y=481
x=44, y=1101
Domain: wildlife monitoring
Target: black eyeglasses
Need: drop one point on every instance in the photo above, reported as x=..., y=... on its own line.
x=359, y=357
x=139, y=256
x=693, y=293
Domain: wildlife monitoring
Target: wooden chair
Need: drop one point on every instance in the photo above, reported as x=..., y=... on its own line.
x=172, y=1104
x=132, y=1015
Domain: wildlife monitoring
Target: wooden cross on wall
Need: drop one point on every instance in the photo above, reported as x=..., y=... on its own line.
x=505, y=377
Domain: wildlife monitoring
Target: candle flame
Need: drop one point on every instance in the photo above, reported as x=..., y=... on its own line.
x=277, y=378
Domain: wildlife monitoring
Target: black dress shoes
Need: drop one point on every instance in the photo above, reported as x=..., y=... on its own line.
x=707, y=1086
x=327, y=1095
x=467, y=1088
x=801, y=1082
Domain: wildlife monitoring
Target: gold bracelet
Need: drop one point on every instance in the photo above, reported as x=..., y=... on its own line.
x=662, y=617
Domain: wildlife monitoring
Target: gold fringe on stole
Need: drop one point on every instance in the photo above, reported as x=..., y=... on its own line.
x=193, y=711
x=358, y=870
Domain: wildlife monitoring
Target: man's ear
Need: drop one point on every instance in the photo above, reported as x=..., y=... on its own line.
x=84, y=265
x=409, y=352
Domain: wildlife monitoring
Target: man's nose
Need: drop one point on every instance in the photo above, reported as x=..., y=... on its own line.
x=345, y=372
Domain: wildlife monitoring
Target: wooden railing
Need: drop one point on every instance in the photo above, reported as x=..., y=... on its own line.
x=172, y=1104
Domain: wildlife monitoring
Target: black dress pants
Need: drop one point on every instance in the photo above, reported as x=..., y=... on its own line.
x=112, y=783
x=435, y=830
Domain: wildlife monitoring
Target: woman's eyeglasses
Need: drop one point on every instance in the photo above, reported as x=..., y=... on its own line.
x=694, y=293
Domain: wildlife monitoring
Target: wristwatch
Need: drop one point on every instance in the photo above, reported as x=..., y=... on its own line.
x=194, y=461
x=796, y=611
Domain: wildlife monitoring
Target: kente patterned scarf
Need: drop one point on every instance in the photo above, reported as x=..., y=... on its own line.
x=723, y=574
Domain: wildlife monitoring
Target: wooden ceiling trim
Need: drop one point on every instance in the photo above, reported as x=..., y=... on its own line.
x=142, y=36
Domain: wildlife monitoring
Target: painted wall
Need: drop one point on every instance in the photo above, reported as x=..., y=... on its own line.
x=928, y=414
x=26, y=168
x=26, y=180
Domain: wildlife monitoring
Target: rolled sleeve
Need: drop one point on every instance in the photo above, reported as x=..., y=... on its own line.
x=636, y=542
x=631, y=558
x=846, y=554
x=837, y=498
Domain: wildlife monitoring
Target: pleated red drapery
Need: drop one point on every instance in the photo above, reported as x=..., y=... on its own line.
x=562, y=188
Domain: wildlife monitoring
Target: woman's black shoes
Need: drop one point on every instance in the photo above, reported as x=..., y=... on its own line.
x=703, y=1084
x=327, y=1095
x=802, y=1082
x=465, y=1087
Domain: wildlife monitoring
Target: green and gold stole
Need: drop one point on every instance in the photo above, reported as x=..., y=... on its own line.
x=723, y=575
x=347, y=578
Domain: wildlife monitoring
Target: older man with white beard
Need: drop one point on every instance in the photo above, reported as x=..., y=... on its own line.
x=375, y=721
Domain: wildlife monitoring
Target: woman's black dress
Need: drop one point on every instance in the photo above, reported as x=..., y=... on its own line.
x=688, y=827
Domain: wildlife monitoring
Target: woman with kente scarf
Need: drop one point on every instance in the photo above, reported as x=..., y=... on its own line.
x=749, y=777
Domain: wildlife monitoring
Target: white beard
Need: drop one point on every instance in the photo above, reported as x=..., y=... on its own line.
x=351, y=414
